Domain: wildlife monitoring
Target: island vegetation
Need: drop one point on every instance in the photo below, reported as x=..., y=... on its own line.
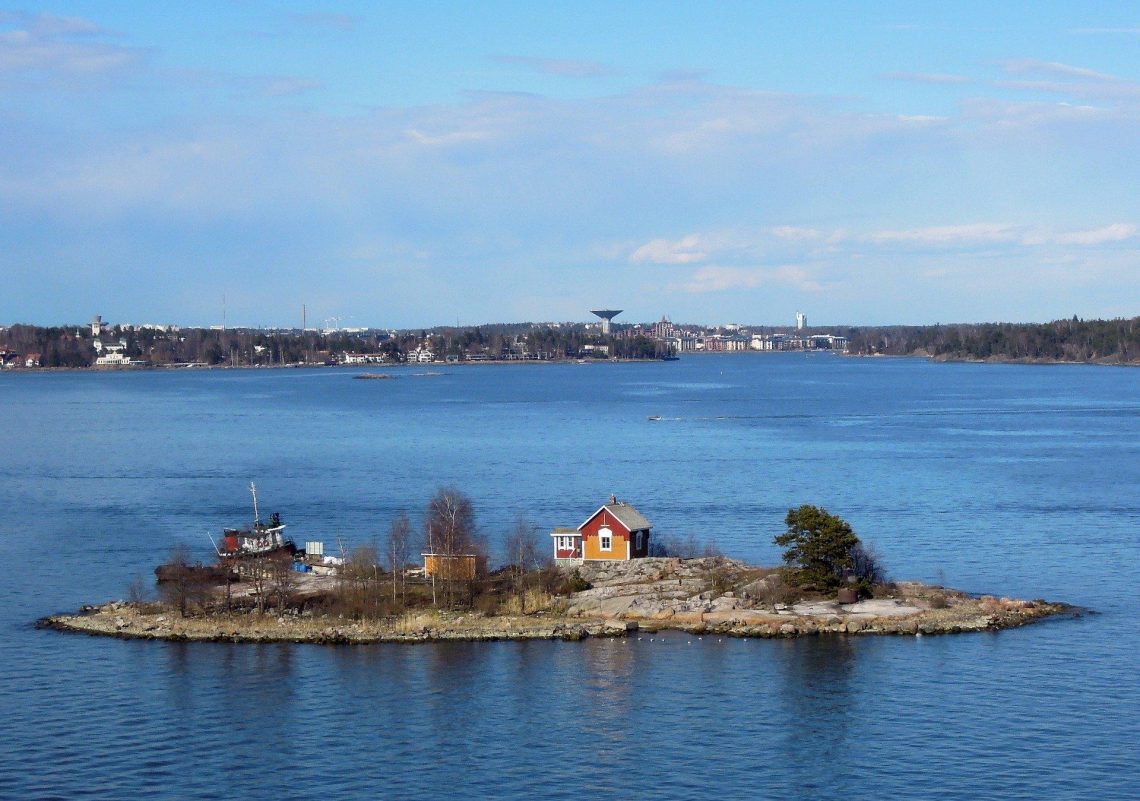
x=1072, y=340
x=830, y=583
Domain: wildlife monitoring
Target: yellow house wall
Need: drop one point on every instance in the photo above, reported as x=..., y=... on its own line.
x=592, y=548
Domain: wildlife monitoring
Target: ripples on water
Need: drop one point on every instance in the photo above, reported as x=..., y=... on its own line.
x=1007, y=479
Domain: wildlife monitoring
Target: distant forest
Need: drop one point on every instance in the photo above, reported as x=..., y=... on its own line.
x=1075, y=340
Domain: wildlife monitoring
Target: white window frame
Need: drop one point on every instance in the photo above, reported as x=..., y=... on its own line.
x=605, y=538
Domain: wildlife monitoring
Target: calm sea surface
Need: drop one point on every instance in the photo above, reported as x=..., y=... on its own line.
x=1007, y=479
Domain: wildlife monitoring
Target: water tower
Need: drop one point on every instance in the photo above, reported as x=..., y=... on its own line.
x=606, y=315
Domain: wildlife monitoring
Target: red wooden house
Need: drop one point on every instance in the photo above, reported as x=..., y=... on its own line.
x=616, y=531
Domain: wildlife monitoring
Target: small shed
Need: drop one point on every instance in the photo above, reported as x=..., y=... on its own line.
x=458, y=567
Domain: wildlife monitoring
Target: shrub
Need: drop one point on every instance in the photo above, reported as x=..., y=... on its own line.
x=776, y=591
x=575, y=583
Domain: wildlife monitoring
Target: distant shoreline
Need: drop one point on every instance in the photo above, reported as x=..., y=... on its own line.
x=993, y=360
x=151, y=368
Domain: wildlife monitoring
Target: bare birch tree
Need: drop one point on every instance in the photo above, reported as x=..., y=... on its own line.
x=359, y=578
x=450, y=529
x=258, y=571
x=522, y=555
x=282, y=580
x=178, y=583
x=398, y=549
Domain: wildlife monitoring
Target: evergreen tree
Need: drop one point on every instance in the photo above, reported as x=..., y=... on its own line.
x=820, y=546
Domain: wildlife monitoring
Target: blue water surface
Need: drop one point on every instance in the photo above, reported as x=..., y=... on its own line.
x=1015, y=480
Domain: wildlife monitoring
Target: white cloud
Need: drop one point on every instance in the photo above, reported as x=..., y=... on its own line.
x=973, y=233
x=1066, y=79
x=565, y=67
x=1127, y=31
x=928, y=77
x=288, y=86
x=1117, y=232
x=723, y=279
x=922, y=119
x=1033, y=65
x=52, y=25
x=663, y=251
x=795, y=234
x=333, y=20
x=445, y=139
x=62, y=45
x=1029, y=116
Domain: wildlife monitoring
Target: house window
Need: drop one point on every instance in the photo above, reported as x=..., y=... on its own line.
x=637, y=541
x=605, y=539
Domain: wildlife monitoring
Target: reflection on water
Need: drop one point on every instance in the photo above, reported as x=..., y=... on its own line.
x=820, y=701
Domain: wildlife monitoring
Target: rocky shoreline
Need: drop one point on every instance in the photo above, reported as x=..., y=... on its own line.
x=129, y=622
x=697, y=596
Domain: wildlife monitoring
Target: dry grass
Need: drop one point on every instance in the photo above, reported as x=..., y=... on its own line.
x=534, y=599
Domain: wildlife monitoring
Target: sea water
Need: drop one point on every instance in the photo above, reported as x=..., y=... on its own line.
x=1015, y=480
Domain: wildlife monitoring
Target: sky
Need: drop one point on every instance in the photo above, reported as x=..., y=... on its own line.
x=426, y=163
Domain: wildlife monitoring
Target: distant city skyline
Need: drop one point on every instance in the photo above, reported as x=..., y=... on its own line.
x=98, y=324
x=405, y=165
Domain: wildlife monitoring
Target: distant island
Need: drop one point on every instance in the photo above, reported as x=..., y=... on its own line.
x=830, y=584
x=1073, y=340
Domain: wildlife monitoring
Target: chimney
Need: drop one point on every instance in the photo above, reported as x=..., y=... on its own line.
x=613, y=500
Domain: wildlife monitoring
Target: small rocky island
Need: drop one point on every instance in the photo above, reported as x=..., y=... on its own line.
x=705, y=595
x=830, y=585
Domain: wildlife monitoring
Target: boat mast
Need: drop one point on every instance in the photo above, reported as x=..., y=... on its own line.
x=253, y=492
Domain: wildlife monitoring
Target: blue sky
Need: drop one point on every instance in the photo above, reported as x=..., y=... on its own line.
x=408, y=164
